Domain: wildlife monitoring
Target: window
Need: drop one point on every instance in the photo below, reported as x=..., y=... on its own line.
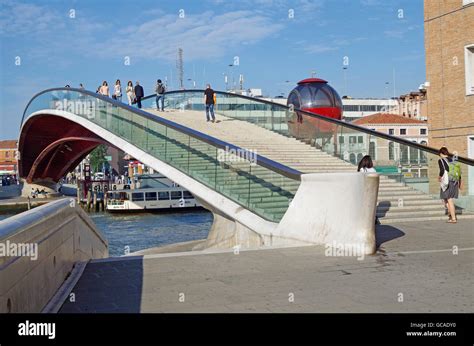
x=368, y=108
x=162, y=196
x=403, y=131
x=351, y=108
x=187, y=195
x=352, y=139
x=372, y=150
x=414, y=153
x=422, y=131
x=176, y=195
x=391, y=131
x=341, y=139
x=7, y=153
x=391, y=151
x=136, y=196
x=352, y=158
x=469, y=61
x=403, y=154
x=360, y=139
x=150, y=196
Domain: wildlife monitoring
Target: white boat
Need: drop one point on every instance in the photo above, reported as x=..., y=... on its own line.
x=154, y=198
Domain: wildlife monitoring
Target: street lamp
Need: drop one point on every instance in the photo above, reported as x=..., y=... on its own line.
x=194, y=82
x=226, y=81
x=344, y=68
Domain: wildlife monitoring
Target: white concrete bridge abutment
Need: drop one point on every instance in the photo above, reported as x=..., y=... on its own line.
x=333, y=209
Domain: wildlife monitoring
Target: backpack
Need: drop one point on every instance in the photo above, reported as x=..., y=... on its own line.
x=161, y=88
x=454, y=171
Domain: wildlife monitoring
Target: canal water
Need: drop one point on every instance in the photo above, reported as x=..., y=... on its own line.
x=146, y=230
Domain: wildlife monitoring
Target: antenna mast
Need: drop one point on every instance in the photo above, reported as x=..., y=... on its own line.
x=180, y=68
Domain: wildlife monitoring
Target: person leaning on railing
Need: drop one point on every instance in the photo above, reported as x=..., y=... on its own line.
x=450, y=181
x=366, y=165
x=139, y=94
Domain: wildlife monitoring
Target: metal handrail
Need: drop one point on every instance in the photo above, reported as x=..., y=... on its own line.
x=238, y=151
x=399, y=140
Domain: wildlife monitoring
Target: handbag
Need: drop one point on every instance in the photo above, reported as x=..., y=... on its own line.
x=444, y=183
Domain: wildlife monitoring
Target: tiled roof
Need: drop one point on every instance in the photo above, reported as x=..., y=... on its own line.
x=386, y=118
x=8, y=144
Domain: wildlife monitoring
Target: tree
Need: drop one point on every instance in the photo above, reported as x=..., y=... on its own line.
x=97, y=158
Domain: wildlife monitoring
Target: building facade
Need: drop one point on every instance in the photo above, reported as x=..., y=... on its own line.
x=8, y=157
x=387, y=155
x=413, y=105
x=355, y=108
x=449, y=45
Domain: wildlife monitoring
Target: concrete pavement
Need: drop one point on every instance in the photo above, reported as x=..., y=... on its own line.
x=414, y=270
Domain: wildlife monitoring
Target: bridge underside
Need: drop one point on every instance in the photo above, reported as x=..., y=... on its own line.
x=51, y=146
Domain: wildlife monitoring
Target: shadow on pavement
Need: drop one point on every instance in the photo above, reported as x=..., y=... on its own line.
x=108, y=287
x=385, y=233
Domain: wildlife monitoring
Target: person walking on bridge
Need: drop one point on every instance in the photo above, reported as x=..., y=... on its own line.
x=160, y=90
x=209, y=101
x=139, y=93
x=130, y=93
x=117, y=91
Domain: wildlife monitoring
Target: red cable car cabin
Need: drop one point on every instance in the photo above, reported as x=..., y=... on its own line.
x=314, y=95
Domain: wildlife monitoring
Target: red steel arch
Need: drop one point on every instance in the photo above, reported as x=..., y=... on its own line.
x=50, y=146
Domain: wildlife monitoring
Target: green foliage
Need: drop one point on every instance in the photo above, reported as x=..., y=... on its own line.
x=97, y=158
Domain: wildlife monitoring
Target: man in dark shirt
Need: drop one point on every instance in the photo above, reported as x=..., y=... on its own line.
x=209, y=102
x=139, y=94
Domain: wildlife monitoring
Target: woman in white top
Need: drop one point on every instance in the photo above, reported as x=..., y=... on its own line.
x=366, y=165
x=130, y=92
x=118, y=91
x=104, y=89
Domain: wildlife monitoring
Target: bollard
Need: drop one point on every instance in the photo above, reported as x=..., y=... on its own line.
x=88, y=200
x=78, y=194
x=95, y=201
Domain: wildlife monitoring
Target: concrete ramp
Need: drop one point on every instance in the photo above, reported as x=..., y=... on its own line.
x=38, y=250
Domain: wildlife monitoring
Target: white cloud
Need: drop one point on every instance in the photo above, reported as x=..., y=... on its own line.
x=319, y=48
x=370, y=2
x=334, y=43
x=201, y=36
x=400, y=33
x=27, y=19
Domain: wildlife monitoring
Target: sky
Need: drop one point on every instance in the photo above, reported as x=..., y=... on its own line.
x=276, y=43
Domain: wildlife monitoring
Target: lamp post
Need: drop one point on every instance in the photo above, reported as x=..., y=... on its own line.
x=386, y=96
x=193, y=81
x=344, y=69
x=232, y=76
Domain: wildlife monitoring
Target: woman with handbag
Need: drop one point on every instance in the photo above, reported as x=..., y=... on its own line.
x=449, y=187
